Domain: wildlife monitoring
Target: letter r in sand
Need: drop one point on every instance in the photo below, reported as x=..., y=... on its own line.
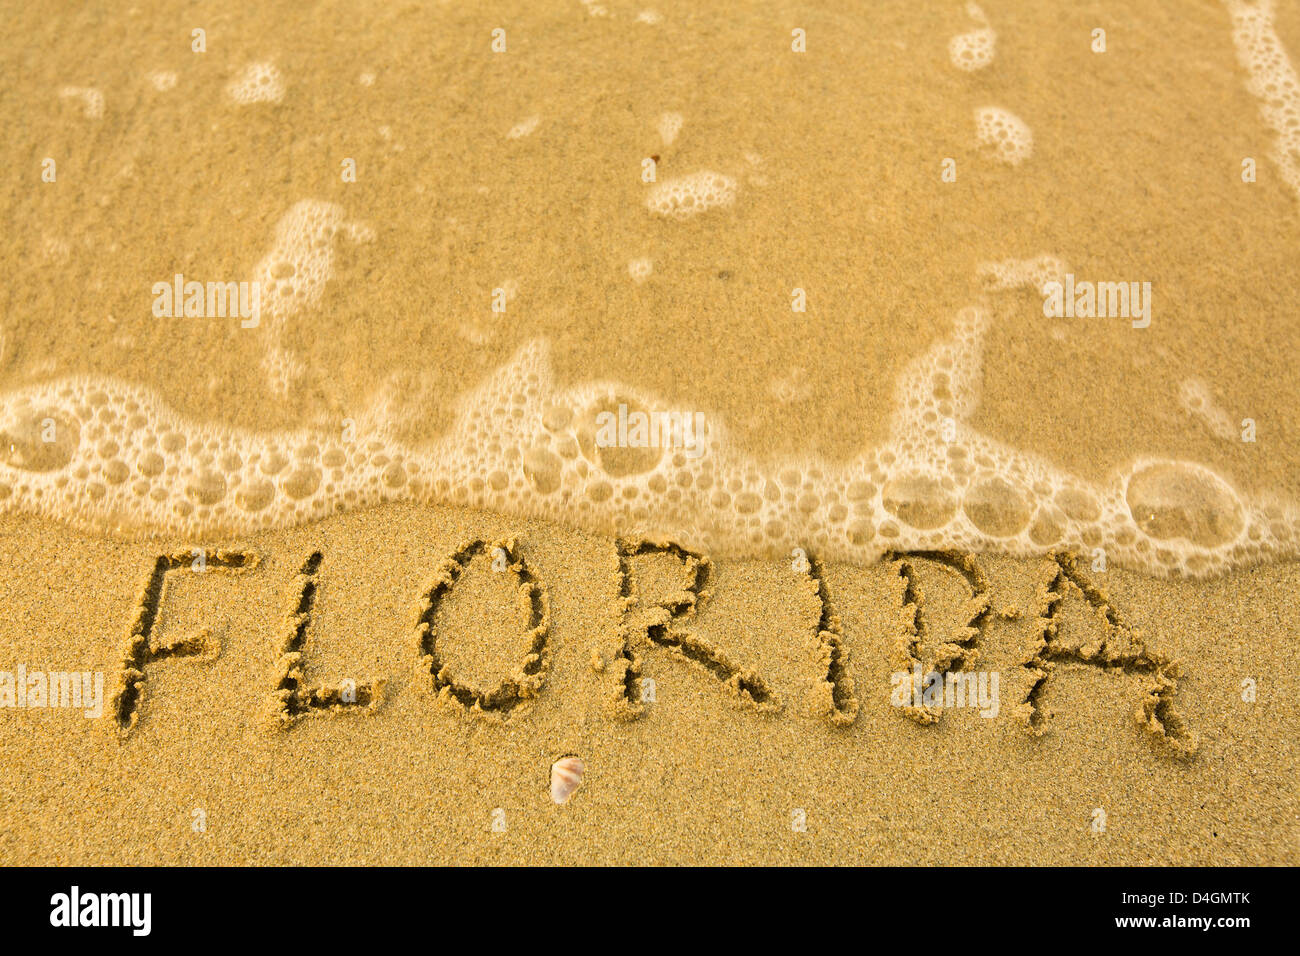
x=663, y=622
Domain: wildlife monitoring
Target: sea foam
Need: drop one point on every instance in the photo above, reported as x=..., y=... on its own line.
x=113, y=457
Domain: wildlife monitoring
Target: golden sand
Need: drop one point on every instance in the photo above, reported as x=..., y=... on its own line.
x=701, y=773
x=388, y=647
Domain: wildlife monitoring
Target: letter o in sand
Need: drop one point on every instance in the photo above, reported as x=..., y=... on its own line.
x=445, y=663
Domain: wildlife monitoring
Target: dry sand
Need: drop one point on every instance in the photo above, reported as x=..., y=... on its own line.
x=1157, y=725
x=700, y=776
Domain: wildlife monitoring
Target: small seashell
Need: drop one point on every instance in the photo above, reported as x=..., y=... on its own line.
x=566, y=776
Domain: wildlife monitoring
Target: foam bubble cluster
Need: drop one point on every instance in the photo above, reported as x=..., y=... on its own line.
x=115, y=456
x=293, y=273
x=670, y=124
x=1271, y=78
x=685, y=196
x=1022, y=273
x=257, y=83
x=1004, y=134
x=974, y=50
x=111, y=456
x=1194, y=395
x=525, y=127
x=91, y=99
x=162, y=80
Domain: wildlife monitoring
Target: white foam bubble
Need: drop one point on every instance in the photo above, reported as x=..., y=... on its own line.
x=293, y=273
x=119, y=459
x=1272, y=79
x=683, y=197
x=973, y=50
x=1022, y=273
x=257, y=83
x=91, y=99
x=670, y=124
x=525, y=127
x=162, y=80
x=1196, y=399
x=1004, y=134
x=640, y=269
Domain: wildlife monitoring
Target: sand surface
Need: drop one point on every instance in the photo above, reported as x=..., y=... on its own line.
x=474, y=230
x=702, y=775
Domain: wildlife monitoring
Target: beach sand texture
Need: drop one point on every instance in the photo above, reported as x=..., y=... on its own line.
x=647, y=385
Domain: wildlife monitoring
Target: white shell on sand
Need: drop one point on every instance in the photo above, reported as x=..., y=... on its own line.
x=566, y=776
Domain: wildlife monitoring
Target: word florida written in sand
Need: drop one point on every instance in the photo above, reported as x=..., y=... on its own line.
x=659, y=590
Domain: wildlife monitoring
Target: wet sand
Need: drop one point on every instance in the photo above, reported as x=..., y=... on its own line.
x=462, y=263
